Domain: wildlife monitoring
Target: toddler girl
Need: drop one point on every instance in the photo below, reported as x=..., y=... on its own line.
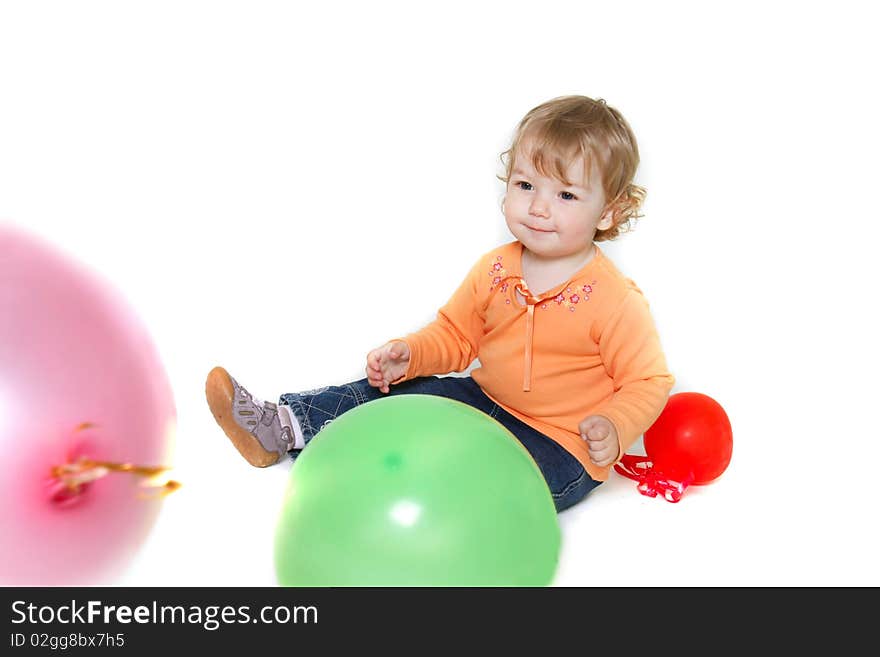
x=569, y=358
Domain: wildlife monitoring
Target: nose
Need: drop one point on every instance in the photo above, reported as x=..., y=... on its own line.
x=539, y=207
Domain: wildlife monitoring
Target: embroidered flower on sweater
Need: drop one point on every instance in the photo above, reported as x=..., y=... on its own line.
x=573, y=297
x=499, y=275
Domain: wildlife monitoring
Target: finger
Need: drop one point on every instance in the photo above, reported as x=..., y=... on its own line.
x=599, y=451
x=587, y=426
x=599, y=456
x=398, y=349
x=597, y=435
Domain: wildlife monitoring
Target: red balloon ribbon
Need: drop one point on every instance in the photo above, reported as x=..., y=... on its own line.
x=651, y=482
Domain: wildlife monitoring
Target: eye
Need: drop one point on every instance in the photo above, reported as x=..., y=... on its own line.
x=523, y=185
x=568, y=196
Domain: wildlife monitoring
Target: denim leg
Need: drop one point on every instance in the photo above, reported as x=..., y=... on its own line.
x=315, y=408
x=565, y=476
x=567, y=479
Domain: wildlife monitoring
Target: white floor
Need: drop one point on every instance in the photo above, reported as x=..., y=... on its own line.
x=757, y=525
x=713, y=537
x=278, y=190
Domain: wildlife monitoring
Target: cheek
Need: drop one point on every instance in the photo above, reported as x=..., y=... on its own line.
x=576, y=224
x=512, y=206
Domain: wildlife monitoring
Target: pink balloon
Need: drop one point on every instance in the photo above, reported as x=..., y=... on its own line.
x=79, y=378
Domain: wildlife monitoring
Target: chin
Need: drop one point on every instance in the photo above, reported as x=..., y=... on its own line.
x=538, y=249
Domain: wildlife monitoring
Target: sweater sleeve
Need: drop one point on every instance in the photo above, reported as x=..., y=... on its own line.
x=451, y=342
x=630, y=348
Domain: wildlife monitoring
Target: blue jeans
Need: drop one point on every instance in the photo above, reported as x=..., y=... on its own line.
x=565, y=476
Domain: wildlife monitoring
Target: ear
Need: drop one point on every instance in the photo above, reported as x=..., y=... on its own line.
x=607, y=219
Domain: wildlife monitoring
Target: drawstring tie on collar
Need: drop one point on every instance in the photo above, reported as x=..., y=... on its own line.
x=519, y=285
x=531, y=302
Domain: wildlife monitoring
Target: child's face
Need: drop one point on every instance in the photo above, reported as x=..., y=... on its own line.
x=550, y=218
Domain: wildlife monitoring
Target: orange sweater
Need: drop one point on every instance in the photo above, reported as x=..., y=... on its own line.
x=586, y=347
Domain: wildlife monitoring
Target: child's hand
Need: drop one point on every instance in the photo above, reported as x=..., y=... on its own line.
x=387, y=363
x=601, y=437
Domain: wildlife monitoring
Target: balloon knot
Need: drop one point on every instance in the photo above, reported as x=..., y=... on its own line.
x=75, y=477
x=651, y=481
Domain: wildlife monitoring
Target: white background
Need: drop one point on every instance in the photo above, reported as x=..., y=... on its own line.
x=278, y=187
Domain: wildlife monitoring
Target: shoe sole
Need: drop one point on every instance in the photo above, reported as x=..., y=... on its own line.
x=221, y=395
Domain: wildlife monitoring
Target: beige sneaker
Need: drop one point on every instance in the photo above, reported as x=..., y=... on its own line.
x=251, y=424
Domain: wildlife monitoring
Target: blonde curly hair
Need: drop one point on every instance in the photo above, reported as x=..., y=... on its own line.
x=568, y=127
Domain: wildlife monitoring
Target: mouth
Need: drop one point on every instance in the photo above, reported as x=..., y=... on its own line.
x=539, y=230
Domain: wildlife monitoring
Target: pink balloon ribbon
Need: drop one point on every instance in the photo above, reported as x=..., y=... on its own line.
x=71, y=479
x=74, y=476
x=652, y=482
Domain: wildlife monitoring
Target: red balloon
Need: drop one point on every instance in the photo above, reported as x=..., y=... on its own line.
x=86, y=415
x=691, y=439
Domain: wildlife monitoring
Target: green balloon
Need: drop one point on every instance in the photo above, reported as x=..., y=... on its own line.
x=416, y=490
